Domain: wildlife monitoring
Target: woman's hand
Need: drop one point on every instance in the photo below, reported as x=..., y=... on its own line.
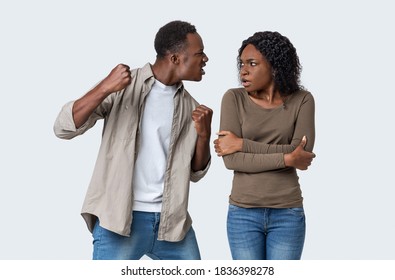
x=299, y=158
x=227, y=143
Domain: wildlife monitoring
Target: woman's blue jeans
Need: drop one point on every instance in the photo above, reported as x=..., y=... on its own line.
x=266, y=233
x=108, y=245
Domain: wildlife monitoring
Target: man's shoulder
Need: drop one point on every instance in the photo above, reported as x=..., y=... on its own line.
x=143, y=72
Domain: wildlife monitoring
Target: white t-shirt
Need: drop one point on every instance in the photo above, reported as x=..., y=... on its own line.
x=151, y=161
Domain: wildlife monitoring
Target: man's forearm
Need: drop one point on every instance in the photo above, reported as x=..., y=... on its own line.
x=87, y=104
x=202, y=154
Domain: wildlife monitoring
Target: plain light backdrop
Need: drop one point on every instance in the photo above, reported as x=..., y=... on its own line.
x=52, y=52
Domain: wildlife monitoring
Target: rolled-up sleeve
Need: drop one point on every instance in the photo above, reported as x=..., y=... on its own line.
x=197, y=175
x=64, y=126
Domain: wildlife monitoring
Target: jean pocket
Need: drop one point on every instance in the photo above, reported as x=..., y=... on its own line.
x=298, y=211
x=233, y=207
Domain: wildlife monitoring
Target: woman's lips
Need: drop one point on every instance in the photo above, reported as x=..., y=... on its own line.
x=245, y=83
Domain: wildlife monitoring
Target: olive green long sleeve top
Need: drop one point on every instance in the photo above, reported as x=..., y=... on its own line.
x=261, y=178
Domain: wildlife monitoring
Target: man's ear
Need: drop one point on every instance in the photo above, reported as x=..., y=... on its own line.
x=174, y=58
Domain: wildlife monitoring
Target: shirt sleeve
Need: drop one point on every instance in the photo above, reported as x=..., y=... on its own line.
x=250, y=146
x=305, y=123
x=197, y=175
x=248, y=162
x=64, y=126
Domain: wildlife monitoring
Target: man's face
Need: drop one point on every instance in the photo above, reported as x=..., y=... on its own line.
x=192, y=59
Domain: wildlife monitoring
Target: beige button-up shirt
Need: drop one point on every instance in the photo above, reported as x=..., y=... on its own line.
x=110, y=193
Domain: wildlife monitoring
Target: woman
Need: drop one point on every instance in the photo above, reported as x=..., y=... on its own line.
x=266, y=133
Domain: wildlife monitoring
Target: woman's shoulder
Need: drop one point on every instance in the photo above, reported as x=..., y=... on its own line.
x=302, y=95
x=234, y=97
x=235, y=93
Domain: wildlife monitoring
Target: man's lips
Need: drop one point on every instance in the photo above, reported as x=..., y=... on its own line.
x=202, y=70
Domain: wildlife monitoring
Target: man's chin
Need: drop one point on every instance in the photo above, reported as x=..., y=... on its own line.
x=197, y=79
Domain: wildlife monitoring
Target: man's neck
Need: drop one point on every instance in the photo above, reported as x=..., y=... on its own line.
x=164, y=72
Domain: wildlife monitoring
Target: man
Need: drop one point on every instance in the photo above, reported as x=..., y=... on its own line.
x=155, y=141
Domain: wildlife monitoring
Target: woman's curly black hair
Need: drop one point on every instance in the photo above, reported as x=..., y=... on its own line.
x=282, y=57
x=172, y=37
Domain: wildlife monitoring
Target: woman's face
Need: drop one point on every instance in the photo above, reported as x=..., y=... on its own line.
x=255, y=71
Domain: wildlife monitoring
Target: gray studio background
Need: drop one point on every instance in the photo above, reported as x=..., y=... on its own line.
x=54, y=51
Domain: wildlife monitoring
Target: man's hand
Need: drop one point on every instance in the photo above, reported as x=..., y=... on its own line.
x=117, y=80
x=299, y=158
x=202, y=116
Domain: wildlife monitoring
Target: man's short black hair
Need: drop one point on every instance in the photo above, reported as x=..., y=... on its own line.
x=172, y=37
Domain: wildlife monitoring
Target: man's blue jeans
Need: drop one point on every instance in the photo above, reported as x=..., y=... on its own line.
x=108, y=245
x=266, y=233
